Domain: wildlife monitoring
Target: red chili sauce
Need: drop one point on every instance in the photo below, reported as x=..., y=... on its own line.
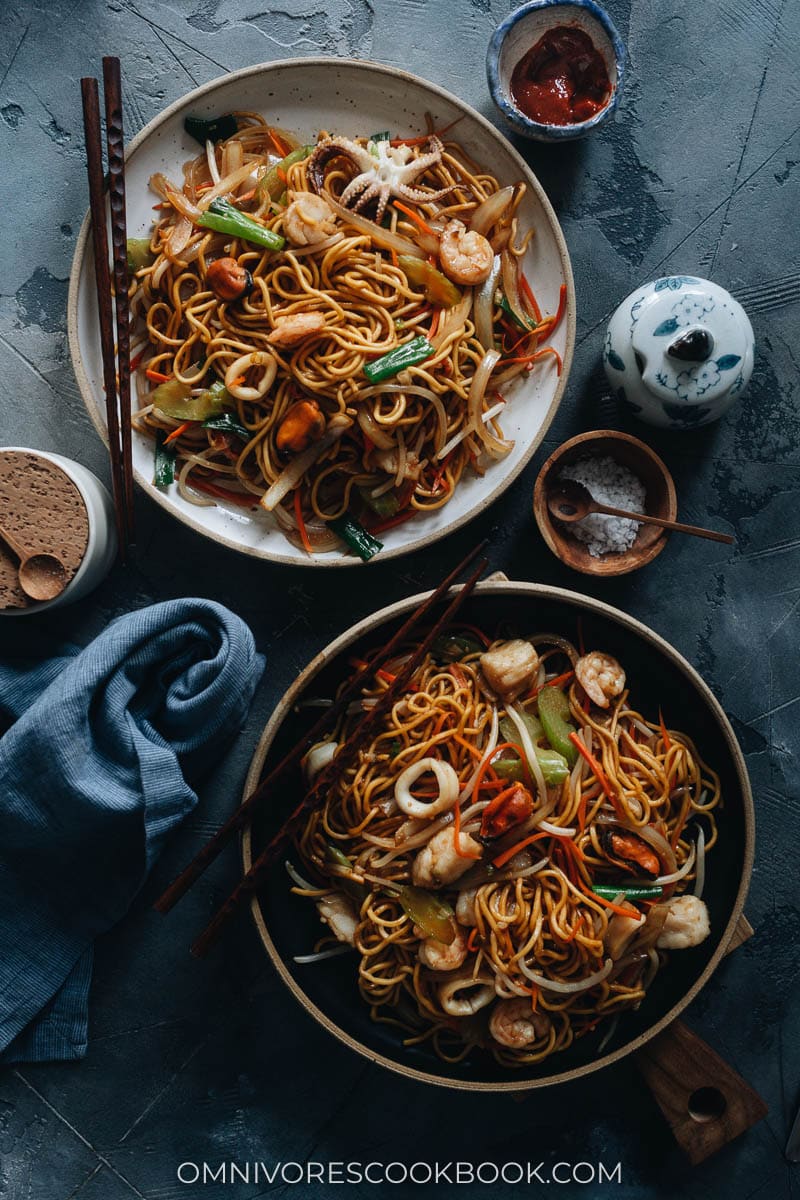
x=562, y=80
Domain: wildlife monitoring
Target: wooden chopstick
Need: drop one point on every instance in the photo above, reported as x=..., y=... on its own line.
x=112, y=83
x=94, y=170
x=244, y=814
x=255, y=877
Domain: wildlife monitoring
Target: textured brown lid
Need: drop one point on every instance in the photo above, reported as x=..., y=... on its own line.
x=43, y=510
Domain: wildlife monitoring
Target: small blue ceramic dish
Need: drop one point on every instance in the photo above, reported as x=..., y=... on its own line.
x=521, y=29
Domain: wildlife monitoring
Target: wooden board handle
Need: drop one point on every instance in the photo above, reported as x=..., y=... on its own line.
x=706, y=1103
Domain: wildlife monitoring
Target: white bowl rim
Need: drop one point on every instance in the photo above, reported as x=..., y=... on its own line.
x=94, y=406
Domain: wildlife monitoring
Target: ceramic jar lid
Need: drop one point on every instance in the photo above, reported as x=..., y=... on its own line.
x=679, y=350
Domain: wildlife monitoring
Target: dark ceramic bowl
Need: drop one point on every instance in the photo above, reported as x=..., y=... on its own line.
x=659, y=678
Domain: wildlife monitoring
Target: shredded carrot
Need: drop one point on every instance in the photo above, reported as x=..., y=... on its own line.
x=137, y=360
x=664, y=734
x=599, y=773
x=238, y=381
x=487, y=766
x=525, y=288
x=550, y=323
x=390, y=522
x=156, y=376
x=284, y=178
x=280, y=145
x=534, y=998
x=474, y=751
x=616, y=908
x=532, y=358
x=204, y=187
x=434, y=322
x=473, y=934
x=301, y=525
x=176, y=433
x=507, y=855
x=240, y=498
x=415, y=217
x=368, y=443
x=425, y=137
x=386, y=676
x=457, y=835
x=461, y=680
x=395, y=260
x=245, y=196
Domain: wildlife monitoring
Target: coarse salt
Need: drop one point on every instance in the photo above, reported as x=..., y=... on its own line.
x=609, y=483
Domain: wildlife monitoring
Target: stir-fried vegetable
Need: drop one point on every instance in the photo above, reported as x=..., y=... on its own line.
x=211, y=129
x=356, y=536
x=174, y=399
x=386, y=505
x=335, y=856
x=383, y=136
x=508, y=730
x=164, y=465
x=139, y=253
x=437, y=287
x=554, y=767
x=224, y=217
x=450, y=647
x=273, y=182
x=554, y=714
x=611, y=891
x=434, y=916
x=226, y=423
x=408, y=355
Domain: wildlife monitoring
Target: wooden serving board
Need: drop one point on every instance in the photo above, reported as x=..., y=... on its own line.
x=706, y=1103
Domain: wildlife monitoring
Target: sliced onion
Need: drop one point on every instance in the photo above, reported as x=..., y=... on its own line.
x=379, y=235
x=608, y=1035
x=294, y=472
x=331, y=952
x=318, y=758
x=319, y=533
x=374, y=431
x=491, y=210
x=454, y=320
x=179, y=235
x=555, y=639
x=316, y=247
x=484, y=307
x=459, y=437
x=556, y=830
x=511, y=288
x=447, y=782
x=530, y=753
x=211, y=159
x=674, y=876
x=700, y=879
x=495, y=446
x=565, y=989
x=225, y=185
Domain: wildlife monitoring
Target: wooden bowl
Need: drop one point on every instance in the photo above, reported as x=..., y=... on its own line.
x=660, y=501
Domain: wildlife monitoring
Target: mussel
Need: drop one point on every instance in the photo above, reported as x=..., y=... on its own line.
x=629, y=851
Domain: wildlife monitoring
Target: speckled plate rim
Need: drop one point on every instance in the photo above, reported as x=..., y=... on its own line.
x=93, y=403
x=369, y=625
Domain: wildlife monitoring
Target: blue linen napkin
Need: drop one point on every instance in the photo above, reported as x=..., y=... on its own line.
x=92, y=779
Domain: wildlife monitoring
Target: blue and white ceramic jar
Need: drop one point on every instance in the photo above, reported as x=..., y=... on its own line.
x=679, y=351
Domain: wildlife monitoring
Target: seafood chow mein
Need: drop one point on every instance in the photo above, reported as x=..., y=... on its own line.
x=327, y=331
x=516, y=851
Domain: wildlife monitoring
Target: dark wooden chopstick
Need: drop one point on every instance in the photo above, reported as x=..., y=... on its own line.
x=102, y=273
x=112, y=84
x=256, y=876
x=117, y=416
x=244, y=814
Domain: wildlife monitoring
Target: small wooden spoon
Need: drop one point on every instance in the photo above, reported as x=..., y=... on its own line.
x=570, y=501
x=41, y=576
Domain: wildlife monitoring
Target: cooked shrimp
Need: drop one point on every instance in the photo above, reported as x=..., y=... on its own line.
x=686, y=925
x=511, y=668
x=465, y=907
x=339, y=914
x=466, y=256
x=438, y=863
x=463, y=996
x=295, y=327
x=600, y=676
x=309, y=219
x=513, y=1024
x=438, y=956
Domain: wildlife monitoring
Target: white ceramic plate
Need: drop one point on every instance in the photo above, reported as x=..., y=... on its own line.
x=349, y=98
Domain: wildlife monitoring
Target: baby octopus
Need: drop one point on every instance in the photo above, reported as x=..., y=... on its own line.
x=383, y=171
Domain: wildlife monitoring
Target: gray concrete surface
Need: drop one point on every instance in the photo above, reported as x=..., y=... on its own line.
x=699, y=174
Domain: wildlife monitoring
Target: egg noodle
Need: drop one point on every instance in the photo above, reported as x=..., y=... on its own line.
x=475, y=920
x=298, y=425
